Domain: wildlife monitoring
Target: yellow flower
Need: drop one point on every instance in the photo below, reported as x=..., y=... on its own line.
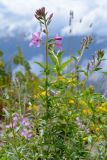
x=74, y=79
x=104, y=104
x=33, y=107
x=61, y=78
x=86, y=111
x=43, y=93
x=69, y=80
x=102, y=109
x=71, y=101
x=97, y=129
x=85, y=139
x=36, y=96
x=73, y=85
x=82, y=103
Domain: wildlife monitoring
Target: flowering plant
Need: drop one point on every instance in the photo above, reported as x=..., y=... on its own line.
x=58, y=116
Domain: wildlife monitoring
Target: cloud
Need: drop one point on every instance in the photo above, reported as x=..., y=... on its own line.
x=35, y=68
x=17, y=17
x=95, y=15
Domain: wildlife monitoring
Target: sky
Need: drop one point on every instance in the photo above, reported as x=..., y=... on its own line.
x=17, y=16
x=18, y=23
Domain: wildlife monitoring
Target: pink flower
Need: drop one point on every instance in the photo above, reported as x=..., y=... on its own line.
x=26, y=134
x=25, y=122
x=15, y=117
x=29, y=135
x=11, y=125
x=35, y=40
x=58, y=41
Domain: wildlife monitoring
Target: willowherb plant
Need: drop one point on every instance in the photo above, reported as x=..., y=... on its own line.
x=50, y=118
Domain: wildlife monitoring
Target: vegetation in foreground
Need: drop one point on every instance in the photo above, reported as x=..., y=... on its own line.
x=56, y=117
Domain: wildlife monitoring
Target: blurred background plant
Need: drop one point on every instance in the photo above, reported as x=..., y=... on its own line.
x=57, y=116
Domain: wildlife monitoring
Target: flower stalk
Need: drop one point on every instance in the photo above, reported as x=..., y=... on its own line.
x=41, y=16
x=46, y=30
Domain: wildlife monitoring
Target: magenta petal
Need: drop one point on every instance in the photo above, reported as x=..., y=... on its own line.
x=58, y=38
x=30, y=44
x=58, y=41
x=36, y=34
x=35, y=39
x=58, y=45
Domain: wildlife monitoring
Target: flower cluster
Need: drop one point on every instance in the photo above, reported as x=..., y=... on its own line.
x=14, y=121
x=23, y=122
x=102, y=108
x=26, y=132
x=35, y=41
x=82, y=126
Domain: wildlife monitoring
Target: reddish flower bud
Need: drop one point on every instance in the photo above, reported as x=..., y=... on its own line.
x=40, y=13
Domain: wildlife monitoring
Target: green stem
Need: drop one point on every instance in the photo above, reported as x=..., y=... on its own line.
x=47, y=105
x=14, y=145
x=14, y=138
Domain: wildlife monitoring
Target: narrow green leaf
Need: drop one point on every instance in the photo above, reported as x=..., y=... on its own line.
x=54, y=58
x=79, y=52
x=59, y=55
x=97, y=69
x=86, y=73
x=66, y=63
x=75, y=58
x=104, y=73
x=80, y=70
x=40, y=64
x=50, y=40
x=1, y=53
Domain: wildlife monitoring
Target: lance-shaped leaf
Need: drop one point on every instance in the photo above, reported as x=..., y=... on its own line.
x=79, y=52
x=104, y=73
x=66, y=63
x=59, y=55
x=75, y=58
x=54, y=58
x=50, y=40
x=1, y=53
x=40, y=64
x=97, y=69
